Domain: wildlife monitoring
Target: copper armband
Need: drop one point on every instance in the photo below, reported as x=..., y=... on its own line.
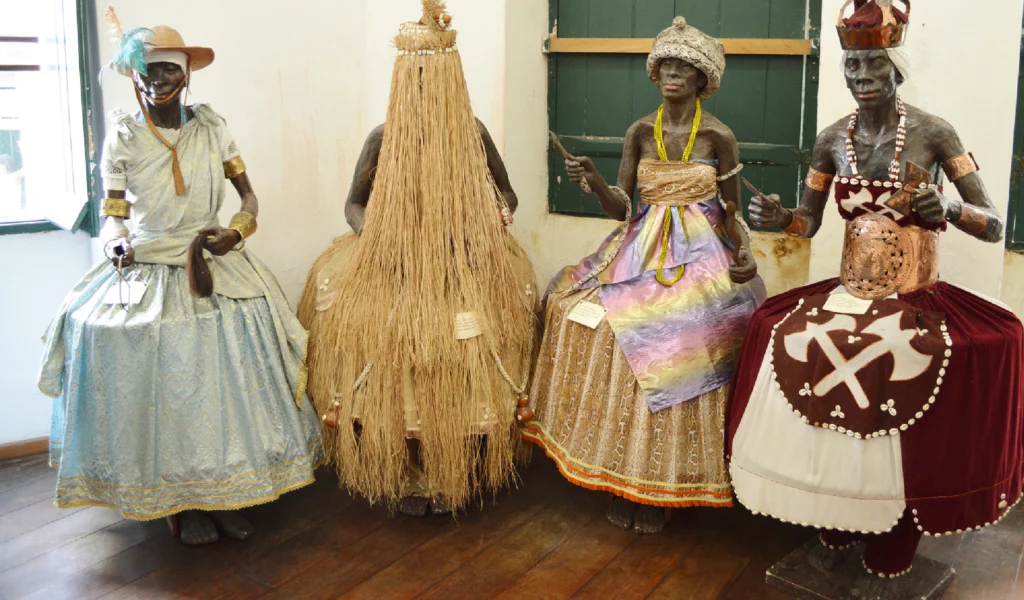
x=818, y=181
x=960, y=166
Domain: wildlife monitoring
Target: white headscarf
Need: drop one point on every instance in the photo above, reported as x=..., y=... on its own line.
x=898, y=56
x=168, y=56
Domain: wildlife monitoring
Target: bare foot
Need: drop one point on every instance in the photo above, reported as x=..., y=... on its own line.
x=649, y=519
x=413, y=506
x=440, y=506
x=197, y=528
x=620, y=513
x=232, y=524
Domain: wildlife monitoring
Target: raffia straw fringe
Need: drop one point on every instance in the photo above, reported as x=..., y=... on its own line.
x=307, y=303
x=431, y=248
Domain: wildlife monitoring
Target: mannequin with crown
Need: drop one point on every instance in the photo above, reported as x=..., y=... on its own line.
x=177, y=368
x=422, y=320
x=633, y=403
x=886, y=404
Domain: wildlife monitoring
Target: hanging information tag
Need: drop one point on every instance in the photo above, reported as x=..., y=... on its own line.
x=467, y=326
x=847, y=304
x=127, y=293
x=588, y=314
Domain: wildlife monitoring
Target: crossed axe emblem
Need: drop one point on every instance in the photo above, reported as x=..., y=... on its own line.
x=909, y=363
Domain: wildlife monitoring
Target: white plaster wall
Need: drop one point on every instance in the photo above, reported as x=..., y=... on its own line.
x=37, y=270
x=945, y=42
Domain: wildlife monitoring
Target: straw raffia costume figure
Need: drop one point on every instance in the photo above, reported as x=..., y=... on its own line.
x=635, y=406
x=422, y=320
x=885, y=404
x=169, y=404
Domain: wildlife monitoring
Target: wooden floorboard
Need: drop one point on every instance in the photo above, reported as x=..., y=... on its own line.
x=547, y=539
x=35, y=490
x=567, y=569
x=22, y=470
x=477, y=529
x=193, y=570
x=53, y=536
x=500, y=566
x=82, y=553
x=32, y=517
x=639, y=568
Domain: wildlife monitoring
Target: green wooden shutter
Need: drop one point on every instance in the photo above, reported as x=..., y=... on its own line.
x=1015, y=211
x=770, y=102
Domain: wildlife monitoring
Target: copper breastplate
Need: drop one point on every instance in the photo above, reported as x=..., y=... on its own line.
x=880, y=258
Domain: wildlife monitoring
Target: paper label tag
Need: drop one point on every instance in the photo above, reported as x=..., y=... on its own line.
x=847, y=304
x=588, y=314
x=466, y=326
x=127, y=293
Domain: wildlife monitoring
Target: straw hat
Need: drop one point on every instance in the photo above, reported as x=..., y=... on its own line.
x=138, y=47
x=168, y=39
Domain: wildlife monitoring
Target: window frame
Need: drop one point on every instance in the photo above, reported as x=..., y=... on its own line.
x=1014, y=236
x=92, y=108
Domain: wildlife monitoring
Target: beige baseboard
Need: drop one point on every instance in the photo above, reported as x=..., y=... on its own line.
x=24, y=448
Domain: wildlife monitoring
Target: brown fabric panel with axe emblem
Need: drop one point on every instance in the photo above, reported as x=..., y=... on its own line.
x=861, y=375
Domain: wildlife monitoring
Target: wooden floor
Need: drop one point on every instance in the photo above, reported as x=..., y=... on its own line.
x=547, y=539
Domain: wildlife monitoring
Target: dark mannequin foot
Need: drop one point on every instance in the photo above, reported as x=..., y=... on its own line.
x=440, y=506
x=232, y=524
x=413, y=506
x=649, y=519
x=197, y=528
x=620, y=513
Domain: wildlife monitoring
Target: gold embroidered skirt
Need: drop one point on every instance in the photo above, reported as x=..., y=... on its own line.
x=592, y=419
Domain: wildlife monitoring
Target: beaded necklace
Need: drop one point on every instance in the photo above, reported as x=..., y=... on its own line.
x=659, y=139
x=901, y=139
x=659, y=135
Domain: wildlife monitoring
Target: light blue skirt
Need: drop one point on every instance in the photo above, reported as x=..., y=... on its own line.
x=179, y=403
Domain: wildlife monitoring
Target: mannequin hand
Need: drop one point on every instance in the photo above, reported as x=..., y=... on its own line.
x=127, y=261
x=767, y=213
x=581, y=169
x=744, y=267
x=221, y=240
x=933, y=206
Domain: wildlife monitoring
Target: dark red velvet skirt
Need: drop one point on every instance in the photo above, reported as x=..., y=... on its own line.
x=963, y=464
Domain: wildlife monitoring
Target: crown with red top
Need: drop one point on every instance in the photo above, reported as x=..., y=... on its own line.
x=874, y=24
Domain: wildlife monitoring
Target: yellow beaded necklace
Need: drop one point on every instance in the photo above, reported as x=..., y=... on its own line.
x=659, y=139
x=659, y=135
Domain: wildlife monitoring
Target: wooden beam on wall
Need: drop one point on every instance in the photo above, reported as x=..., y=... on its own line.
x=749, y=46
